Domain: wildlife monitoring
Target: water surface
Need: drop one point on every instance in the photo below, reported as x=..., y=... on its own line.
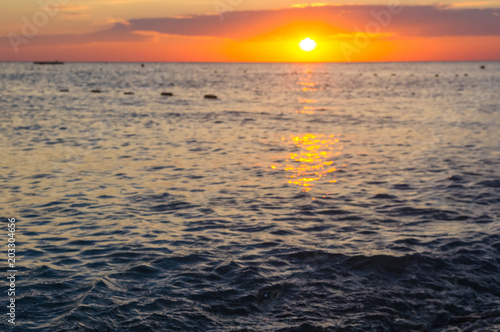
x=308, y=197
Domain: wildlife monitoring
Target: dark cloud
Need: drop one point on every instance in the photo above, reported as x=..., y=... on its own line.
x=422, y=21
x=413, y=21
x=118, y=33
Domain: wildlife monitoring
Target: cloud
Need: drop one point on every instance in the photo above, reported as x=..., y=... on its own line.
x=305, y=5
x=72, y=12
x=118, y=33
x=65, y=8
x=473, y=4
x=70, y=8
x=109, y=22
x=337, y=22
x=422, y=21
x=118, y=2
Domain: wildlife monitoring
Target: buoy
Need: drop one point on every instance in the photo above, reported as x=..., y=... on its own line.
x=95, y=91
x=210, y=97
x=483, y=67
x=142, y=65
x=170, y=94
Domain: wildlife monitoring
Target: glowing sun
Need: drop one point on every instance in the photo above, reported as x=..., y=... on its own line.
x=307, y=45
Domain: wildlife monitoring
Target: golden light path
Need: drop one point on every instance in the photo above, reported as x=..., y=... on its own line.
x=307, y=44
x=313, y=160
x=313, y=155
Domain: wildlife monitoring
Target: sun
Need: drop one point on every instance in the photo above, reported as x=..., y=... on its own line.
x=307, y=45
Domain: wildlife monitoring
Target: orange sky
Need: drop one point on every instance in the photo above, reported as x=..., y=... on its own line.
x=59, y=30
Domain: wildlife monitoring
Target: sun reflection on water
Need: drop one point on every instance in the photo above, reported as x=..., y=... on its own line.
x=312, y=159
x=308, y=86
x=309, y=109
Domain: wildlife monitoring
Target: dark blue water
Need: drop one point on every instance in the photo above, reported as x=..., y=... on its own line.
x=328, y=197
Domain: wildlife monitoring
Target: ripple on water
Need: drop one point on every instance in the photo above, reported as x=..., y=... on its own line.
x=347, y=215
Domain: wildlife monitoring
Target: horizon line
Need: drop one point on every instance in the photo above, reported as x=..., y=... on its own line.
x=251, y=62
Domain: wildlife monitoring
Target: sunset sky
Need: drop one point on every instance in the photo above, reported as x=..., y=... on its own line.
x=249, y=31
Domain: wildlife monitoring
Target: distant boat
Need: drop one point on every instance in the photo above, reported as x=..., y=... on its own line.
x=48, y=63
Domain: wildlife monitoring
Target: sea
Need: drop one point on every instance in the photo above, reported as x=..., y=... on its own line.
x=305, y=197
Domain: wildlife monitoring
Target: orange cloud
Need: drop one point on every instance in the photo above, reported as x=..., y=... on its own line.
x=472, y=4
x=343, y=33
x=305, y=5
x=69, y=8
x=410, y=21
